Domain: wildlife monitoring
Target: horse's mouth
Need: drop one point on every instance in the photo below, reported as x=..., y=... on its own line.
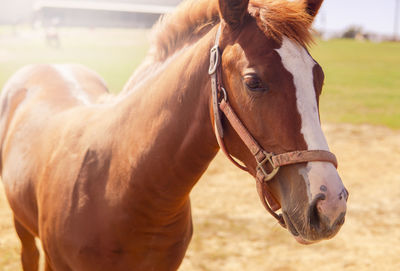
x=292, y=229
x=290, y=225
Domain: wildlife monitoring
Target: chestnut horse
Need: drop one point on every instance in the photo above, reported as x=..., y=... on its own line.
x=104, y=181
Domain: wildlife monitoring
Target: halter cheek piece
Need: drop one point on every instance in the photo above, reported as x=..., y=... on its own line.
x=268, y=163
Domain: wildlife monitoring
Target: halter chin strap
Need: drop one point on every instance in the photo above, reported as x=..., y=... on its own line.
x=268, y=163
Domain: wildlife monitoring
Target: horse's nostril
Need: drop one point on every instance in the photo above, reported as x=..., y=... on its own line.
x=313, y=211
x=344, y=194
x=347, y=194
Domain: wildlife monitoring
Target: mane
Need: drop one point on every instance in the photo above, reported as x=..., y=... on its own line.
x=193, y=18
x=279, y=18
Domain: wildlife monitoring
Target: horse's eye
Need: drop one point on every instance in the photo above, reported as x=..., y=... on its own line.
x=254, y=83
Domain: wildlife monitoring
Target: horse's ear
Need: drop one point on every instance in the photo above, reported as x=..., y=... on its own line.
x=233, y=11
x=313, y=6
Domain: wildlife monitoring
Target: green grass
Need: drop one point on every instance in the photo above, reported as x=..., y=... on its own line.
x=362, y=82
x=362, y=79
x=113, y=53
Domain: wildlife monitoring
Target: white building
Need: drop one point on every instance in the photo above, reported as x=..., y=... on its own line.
x=92, y=13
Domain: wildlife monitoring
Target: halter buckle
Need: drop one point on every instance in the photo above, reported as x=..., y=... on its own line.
x=214, y=59
x=261, y=167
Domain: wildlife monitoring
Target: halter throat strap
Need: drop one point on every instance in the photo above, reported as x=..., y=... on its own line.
x=268, y=163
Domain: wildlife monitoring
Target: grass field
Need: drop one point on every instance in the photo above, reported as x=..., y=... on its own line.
x=362, y=82
x=113, y=53
x=232, y=231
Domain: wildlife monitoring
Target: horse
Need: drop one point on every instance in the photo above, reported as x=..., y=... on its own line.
x=104, y=181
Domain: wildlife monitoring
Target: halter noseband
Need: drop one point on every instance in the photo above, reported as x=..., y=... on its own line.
x=268, y=163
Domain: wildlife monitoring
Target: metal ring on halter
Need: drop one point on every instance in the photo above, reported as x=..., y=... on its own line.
x=224, y=92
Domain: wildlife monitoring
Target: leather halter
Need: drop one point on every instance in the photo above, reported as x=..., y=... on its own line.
x=268, y=163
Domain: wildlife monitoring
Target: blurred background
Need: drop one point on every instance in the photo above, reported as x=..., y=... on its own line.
x=357, y=44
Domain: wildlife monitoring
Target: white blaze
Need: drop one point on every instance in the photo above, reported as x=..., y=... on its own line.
x=300, y=64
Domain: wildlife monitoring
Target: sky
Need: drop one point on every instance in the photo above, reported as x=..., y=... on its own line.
x=376, y=16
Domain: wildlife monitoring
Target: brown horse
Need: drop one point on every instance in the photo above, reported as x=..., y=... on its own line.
x=104, y=181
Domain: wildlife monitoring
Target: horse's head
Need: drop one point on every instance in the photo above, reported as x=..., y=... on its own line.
x=273, y=85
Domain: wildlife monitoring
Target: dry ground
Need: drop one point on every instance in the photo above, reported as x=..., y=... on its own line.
x=233, y=232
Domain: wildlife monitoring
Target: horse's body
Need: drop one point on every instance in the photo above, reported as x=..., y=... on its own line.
x=73, y=147
x=104, y=182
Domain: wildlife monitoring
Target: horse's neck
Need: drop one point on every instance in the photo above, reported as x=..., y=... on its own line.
x=171, y=140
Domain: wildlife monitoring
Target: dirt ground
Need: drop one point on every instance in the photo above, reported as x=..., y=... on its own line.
x=232, y=231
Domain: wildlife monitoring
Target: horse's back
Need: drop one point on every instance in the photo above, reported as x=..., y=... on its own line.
x=73, y=82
